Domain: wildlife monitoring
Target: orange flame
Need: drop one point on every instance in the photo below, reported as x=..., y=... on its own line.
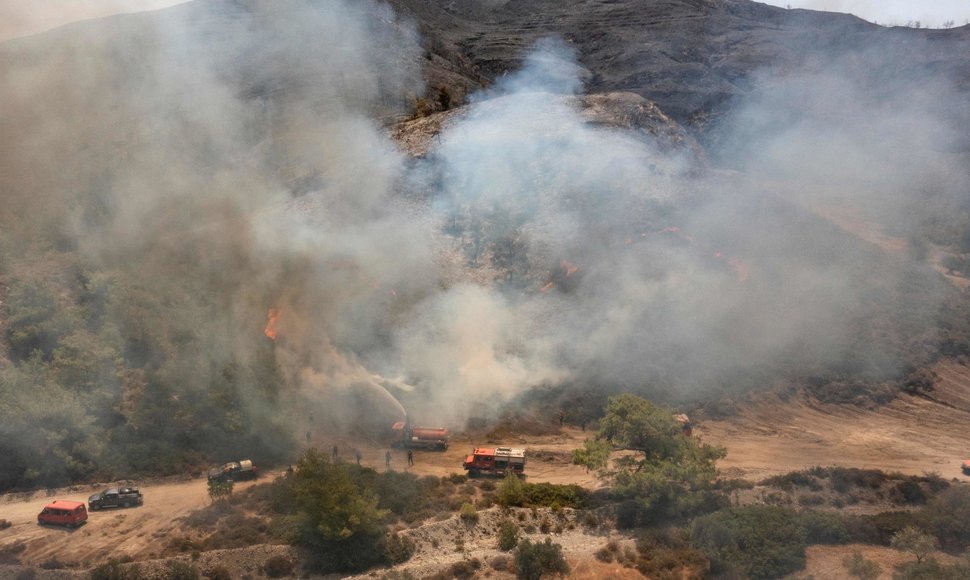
x=271, y=318
x=568, y=268
x=547, y=287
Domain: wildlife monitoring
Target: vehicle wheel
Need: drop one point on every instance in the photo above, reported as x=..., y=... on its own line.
x=126, y=504
x=473, y=473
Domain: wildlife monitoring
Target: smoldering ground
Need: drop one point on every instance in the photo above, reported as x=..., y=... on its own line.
x=228, y=158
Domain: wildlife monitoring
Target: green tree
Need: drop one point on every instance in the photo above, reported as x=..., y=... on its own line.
x=337, y=519
x=915, y=541
x=668, y=474
x=595, y=454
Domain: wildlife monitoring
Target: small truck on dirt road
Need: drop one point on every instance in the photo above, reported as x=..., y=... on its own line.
x=966, y=467
x=115, y=497
x=234, y=471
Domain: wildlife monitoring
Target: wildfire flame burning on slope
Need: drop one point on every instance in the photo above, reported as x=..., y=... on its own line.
x=272, y=316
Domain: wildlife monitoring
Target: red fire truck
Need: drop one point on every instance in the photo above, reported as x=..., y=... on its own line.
x=495, y=461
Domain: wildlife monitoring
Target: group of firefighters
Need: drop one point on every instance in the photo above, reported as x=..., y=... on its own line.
x=335, y=455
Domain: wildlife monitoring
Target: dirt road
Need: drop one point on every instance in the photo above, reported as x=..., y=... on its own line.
x=912, y=435
x=143, y=532
x=140, y=532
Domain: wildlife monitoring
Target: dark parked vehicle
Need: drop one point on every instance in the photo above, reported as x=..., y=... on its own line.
x=115, y=497
x=234, y=471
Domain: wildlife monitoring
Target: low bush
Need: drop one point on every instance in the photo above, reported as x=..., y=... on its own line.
x=879, y=528
x=179, y=570
x=397, y=548
x=114, y=570
x=278, y=567
x=859, y=567
x=931, y=569
x=751, y=542
x=550, y=494
x=500, y=563
x=909, y=492
x=511, y=492
x=219, y=573
x=789, y=481
x=52, y=564
x=947, y=516
x=468, y=513
x=508, y=535
x=811, y=500
x=460, y=570
x=824, y=527
x=533, y=560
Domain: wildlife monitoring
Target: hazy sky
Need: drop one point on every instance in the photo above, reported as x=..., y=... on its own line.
x=928, y=12
x=25, y=17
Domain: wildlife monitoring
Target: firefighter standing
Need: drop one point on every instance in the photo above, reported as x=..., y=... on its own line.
x=410, y=457
x=387, y=459
x=334, y=453
x=357, y=456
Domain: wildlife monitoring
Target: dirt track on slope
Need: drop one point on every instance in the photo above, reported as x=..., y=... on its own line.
x=912, y=434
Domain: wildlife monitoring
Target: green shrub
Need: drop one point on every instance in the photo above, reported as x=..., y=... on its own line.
x=278, y=567
x=511, y=492
x=947, y=516
x=878, y=528
x=751, y=542
x=397, y=548
x=931, y=569
x=858, y=567
x=824, y=527
x=790, y=481
x=52, y=564
x=508, y=535
x=113, y=570
x=219, y=573
x=468, y=513
x=909, y=492
x=179, y=570
x=550, y=495
x=534, y=560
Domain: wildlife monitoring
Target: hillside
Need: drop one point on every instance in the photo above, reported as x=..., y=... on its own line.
x=225, y=218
